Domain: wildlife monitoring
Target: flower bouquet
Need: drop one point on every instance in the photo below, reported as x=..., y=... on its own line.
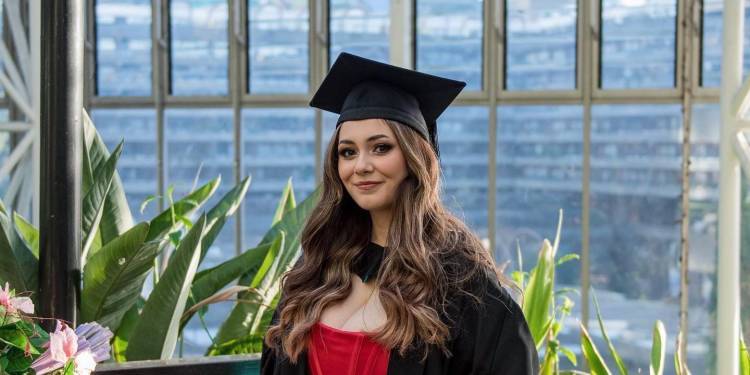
x=25, y=348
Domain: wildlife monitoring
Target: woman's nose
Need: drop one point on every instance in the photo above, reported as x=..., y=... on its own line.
x=363, y=165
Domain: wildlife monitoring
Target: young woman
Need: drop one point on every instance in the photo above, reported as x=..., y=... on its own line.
x=389, y=281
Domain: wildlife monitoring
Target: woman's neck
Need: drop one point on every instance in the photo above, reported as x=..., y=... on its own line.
x=381, y=222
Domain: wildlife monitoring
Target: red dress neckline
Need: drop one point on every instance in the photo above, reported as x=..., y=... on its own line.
x=335, y=351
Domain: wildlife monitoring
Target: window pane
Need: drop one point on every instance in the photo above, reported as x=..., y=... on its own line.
x=279, y=144
x=137, y=164
x=199, y=47
x=449, y=40
x=711, y=48
x=361, y=28
x=541, y=45
x=278, y=60
x=462, y=133
x=704, y=205
x=635, y=228
x=638, y=44
x=123, y=47
x=200, y=147
x=539, y=157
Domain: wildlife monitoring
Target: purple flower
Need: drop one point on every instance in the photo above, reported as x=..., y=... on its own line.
x=88, y=344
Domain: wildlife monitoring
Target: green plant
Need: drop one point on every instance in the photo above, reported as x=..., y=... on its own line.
x=118, y=255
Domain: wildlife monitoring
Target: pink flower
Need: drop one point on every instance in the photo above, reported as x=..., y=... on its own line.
x=14, y=304
x=86, y=346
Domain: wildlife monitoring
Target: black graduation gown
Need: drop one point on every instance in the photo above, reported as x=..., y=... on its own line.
x=488, y=338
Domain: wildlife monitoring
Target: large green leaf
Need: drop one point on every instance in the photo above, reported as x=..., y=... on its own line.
x=286, y=203
x=210, y=281
x=28, y=232
x=164, y=223
x=618, y=360
x=155, y=334
x=113, y=278
x=94, y=199
x=249, y=311
x=593, y=358
x=658, y=349
x=116, y=218
x=124, y=331
x=219, y=214
x=18, y=265
x=539, y=294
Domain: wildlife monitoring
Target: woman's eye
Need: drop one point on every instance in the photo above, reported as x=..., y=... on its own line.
x=382, y=148
x=345, y=153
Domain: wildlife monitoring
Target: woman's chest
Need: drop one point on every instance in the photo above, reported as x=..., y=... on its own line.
x=360, y=311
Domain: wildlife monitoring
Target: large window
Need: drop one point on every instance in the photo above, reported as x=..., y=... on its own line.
x=541, y=45
x=608, y=155
x=278, y=146
x=638, y=44
x=635, y=228
x=123, y=47
x=199, y=50
x=462, y=137
x=361, y=27
x=278, y=50
x=449, y=40
x=137, y=163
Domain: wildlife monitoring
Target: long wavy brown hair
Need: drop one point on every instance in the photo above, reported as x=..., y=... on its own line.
x=426, y=244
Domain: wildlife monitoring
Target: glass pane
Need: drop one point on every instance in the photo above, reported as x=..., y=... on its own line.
x=541, y=45
x=711, y=49
x=638, y=44
x=137, y=164
x=200, y=147
x=704, y=205
x=462, y=133
x=539, y=160
x=636, y=160
x=123, y=47
x=360, y=27
x=279, y=144
x=278, y=60
x=199, y=47
x=539, y=157
x=449, y=40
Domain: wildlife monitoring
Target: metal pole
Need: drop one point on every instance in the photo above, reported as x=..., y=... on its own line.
x=727, y=335
x=60, y=124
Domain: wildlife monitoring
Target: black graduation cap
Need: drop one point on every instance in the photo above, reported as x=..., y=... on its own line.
x=358, y=88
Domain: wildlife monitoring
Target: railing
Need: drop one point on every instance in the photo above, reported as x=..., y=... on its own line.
x=220, y=365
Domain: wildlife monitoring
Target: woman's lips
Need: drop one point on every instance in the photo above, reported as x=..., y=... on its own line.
x=368, y=186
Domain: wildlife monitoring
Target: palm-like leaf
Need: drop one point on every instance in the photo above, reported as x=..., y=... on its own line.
x=163, y=224
x=618, y=360
x=658, y=349
x=114, y=276
x=18, y=265
x=28, y=232
x=539, y=294
x=155, y=334
x=116, y=217
x=593, y=358
x=94, y=200
x=248, y=319
x=212, y=280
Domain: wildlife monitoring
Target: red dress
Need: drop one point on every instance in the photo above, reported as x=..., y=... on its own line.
x=336, y=352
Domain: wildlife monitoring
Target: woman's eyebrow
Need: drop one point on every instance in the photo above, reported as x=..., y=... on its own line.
x=374, y=137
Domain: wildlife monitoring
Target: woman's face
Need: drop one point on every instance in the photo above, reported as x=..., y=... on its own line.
x=370, y=163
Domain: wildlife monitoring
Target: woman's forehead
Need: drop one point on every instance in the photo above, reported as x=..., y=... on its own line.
x=361, y=130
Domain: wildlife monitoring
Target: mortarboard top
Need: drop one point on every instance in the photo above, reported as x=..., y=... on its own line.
x=358, y=88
